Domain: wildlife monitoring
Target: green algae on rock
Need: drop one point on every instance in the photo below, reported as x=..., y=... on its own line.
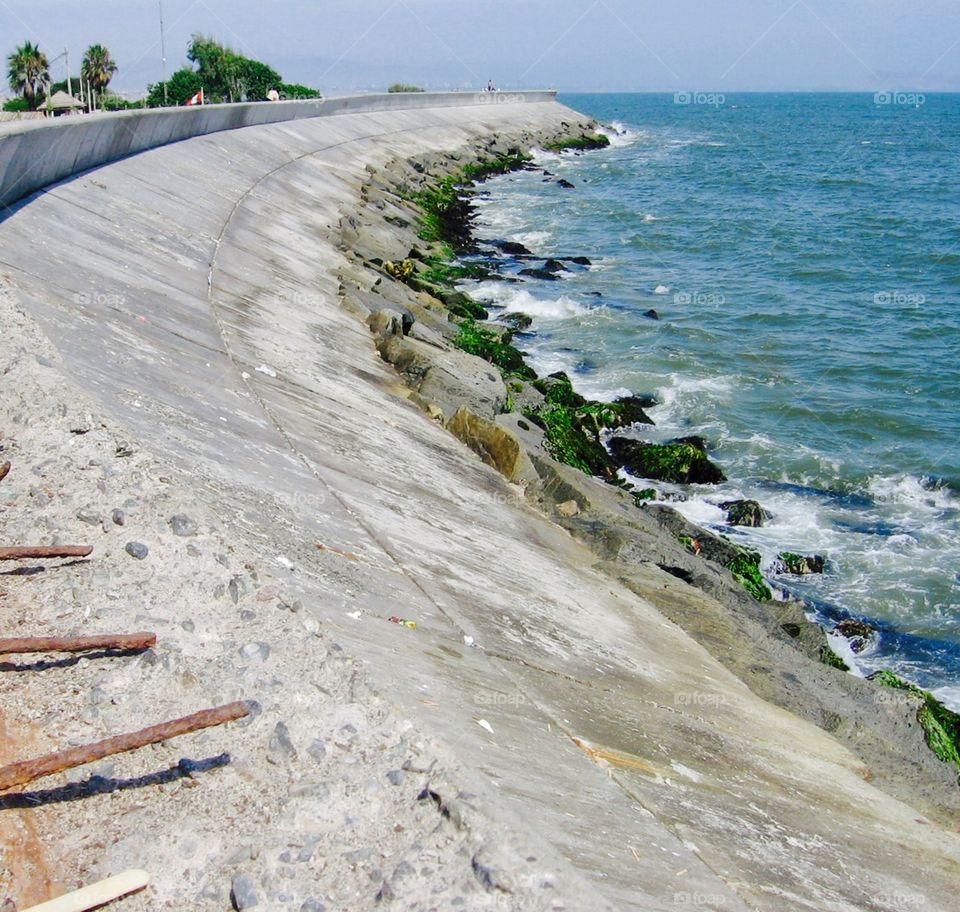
x=745, y=568
x=744, y=513
x=487, y=344
x=578, y=143
x=677, y=463
x=798, y=564
x=941, y=726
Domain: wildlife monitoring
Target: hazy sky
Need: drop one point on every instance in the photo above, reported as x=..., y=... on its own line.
x=669, y=45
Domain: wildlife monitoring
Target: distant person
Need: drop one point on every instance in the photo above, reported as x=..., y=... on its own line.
x=273, y=95
x=490, y=86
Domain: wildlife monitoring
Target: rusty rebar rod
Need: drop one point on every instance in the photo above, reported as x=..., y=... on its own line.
x=125, y=641
x=5, y=470
x=28, y=770
x=26, y=552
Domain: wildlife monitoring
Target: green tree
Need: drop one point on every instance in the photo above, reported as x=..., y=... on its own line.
x=293, y=91
x=256, y=79
x=220, y=69
x=97, y=68
x=224, y=75
x=181, y=87
x=28, y=70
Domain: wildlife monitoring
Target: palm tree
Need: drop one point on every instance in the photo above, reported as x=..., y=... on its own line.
x=97, y=68
x=28, y=70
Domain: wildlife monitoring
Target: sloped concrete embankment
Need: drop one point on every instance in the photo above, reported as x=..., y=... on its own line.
x=195, y=292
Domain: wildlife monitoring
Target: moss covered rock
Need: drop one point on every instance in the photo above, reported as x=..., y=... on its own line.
x=941, y=726
x=678, y=462
x=488, y=344
x=858, y=634
x=745, y=568
x=798, y=564
x=744, y=513
x=579, y=143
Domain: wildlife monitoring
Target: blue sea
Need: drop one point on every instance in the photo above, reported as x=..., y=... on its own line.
x=803, y=254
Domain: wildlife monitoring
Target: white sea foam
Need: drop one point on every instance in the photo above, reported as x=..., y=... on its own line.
x=913, y=492
x=649, y=217
x=662, y=290
x=518, y=300
x=531, y=239
x=620, y=135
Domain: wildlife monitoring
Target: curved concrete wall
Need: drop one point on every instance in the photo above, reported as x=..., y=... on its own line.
x=34, y=155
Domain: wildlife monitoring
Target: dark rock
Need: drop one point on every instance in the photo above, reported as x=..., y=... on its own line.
x=317, y=750
x=118, y=517
x=565, y=184
x=243, y=895
x=744, y=513
x=798, y=564
x=632, y=410
x=651, y=314
x=280, y=747
x=461, y=305
x=182, y=525
x=580, y=261
x=137, y=550
x=678, y=572
x=693, y=440
x=511, y=247
x=678, y=462
x=554, y=266
x=516, y=321
x=541, y=274
x=237, y=588
x=857, y=633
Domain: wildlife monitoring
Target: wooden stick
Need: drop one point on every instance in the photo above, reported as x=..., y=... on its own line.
x=26, y=552
x=94, y=895
x=131, y=641
x=4, y=470
x=28, y=770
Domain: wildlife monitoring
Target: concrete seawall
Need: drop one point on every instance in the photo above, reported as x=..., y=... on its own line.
x=194, y=290
x=36, y=154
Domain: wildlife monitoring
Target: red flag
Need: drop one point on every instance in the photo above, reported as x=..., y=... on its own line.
x=197, y=99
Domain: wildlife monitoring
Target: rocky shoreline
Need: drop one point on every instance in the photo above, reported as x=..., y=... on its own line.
x=567, y=455
x=459, y=702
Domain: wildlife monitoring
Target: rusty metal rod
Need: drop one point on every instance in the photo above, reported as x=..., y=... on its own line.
x=4, y=470
x=26, y=552
x=28, y=770
x=16, y=645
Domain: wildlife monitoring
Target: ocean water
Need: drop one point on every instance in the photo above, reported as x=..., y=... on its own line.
x=803, y=254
